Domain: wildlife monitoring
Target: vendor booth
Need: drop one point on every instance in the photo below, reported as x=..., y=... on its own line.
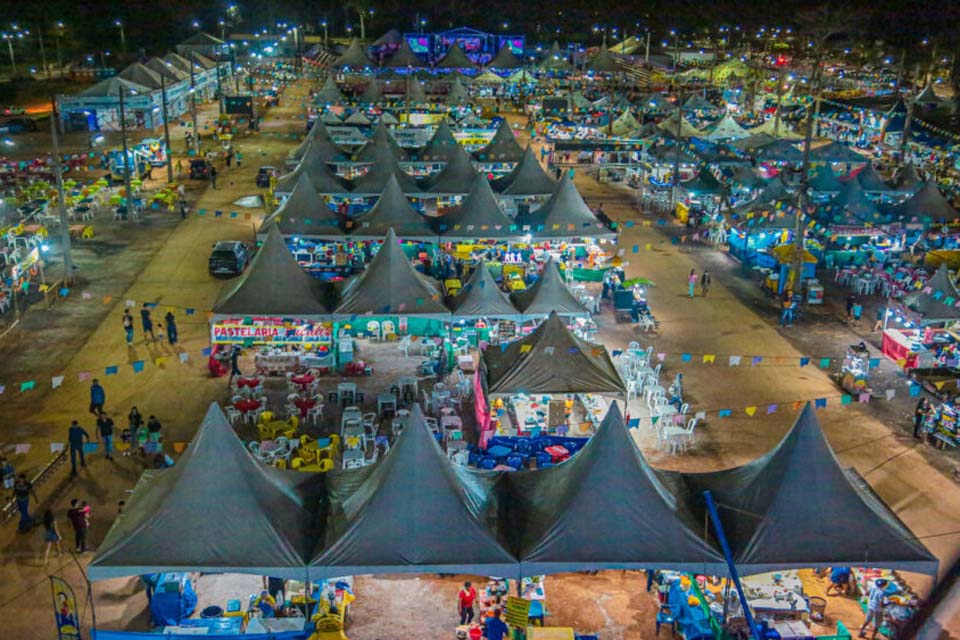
x=915, y=334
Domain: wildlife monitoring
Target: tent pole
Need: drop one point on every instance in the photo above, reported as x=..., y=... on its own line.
x=728, y=556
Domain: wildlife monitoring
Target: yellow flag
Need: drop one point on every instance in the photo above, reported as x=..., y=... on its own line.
x=524, y=348
x=709, y=357
x=750, y=411
x=160, y=361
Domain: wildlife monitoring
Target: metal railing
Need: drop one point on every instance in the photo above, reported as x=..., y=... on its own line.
x=9, y=508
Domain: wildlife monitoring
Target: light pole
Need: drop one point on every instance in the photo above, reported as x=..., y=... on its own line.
x=13, y=61
x=166, y=127
x=323, y=24
x=43, y=52
x=118, y=23
x=61, y=200
x=58, y=33
x=126, y=157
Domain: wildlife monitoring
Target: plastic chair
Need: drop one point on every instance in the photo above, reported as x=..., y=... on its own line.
x=665, y=616
x=488, y=463
x=515, y=461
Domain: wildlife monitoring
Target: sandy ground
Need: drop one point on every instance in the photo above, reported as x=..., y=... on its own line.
x=167, y=264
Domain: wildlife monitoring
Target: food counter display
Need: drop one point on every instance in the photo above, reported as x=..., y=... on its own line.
x=940, y=424
x=901, y=602
x=925, y=348
x=855, y=372
x=574, y=415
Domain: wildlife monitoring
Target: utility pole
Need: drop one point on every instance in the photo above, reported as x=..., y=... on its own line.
x=126, y=158
x=776, y=121
x=61, y=199
x=675, y=181
x=899, y=88
x=43, y=51
x=166, y=128
x=193, y=109
x=58, y=33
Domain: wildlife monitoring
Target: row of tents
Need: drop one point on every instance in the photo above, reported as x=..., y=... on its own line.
x=275, y=286
x=219, y=510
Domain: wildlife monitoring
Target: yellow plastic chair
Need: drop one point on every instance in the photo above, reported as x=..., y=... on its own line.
x=294, y=421
x=296, y=463
x=290, y=434
x=265, y=417
x=280, y=463
x=325, y=465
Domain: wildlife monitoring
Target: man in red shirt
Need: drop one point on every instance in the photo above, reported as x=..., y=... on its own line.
x=79, y=516
x=465, y=600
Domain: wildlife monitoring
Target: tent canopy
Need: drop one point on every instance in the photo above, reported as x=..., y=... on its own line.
x=457, y=177
x=726, y=129
x=505, y=59
x=779, y=151
x=442, y=146
x=704, y=184
x=934, y=310
x=415, y=93
x=603, y=62
x=382, y=148
x=218, y=510
x=550, y=360
x=414, y=512
x=329, y=93
x=405, y=57
x=391, y=286
x=566, y=215
x=303, y=213
x=823, y=180
x=548, y=295
x=456, y=58
x=796, y=507
x=274, y=285
x=372, y=93
x=375, y=180
x=835, y=152
x=457, y=93
x=555, y=60
x=854, y=201
x=870, y=180
x=392, y=211
x=502, y=148
x=482, y=298
x=607, y=487
x=313, y=164
x=928, y=202
x=479, y=216
x=679, y=127
x=319, y=143
x=353, y=57
x=528, y=178
x=142, y=75
x=111, y=88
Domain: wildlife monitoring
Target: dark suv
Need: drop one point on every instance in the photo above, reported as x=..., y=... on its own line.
x=264, y=175
x=229, y=258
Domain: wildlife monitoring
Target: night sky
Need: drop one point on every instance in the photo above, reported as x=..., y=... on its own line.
x=156, y=26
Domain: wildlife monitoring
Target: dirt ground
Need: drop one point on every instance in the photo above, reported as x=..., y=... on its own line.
x=165, y=262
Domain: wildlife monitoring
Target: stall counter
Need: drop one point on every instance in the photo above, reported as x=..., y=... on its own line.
x=899, y=347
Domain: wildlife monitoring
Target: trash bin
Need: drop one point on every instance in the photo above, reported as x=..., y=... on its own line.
x=818, y=607
x=212, y=611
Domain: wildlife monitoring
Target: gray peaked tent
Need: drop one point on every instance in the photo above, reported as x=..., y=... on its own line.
x=456, y=58
x=697, y=102
x=835, y=152
x=303, y=214
x=329, y=93
x=374, y=181
x=932, y=309
x=322, y=176
x=391, y=286
x=779, y=151
x=528, y=178
x=555, y=59
x=548, y=295
x=746, y=177
x=111, y=87
x=320, y=143
x=482, y=298
x=550, y=360
x=415, y=512
x=353, y=57
x=871, y=181
x=371, y=93
x=824, y=180
x=505, y=59
x=391, y=37
x=168, y=70
x=603, y=62
x=442, y=146
x=392, y=211
x=218, y=510
x=457, y=177
x=565, y=215
x=502, y=148
x=928, y=202
x=796, y=507
x=457, y=94
x=142, y=75
x=405, y=57
x=274, y=285
x=705, y=183
x=479, y=216
x=908, y=181
x=381, y=148
x=606, y=492
x=857, y=207
x=415, y=93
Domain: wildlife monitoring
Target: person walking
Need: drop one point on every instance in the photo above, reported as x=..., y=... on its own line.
x=229, y=158
x=705, y=282
x=105, y=431
x=171, y=323
x=234, y=364
x=51, y=536
x=183, y=209
x=213, y=177
x=98, y=396
x=76, y=436
x=692, y=280
x=875, y=600
x=128, y=326
x=919, y=413
x=238, y=157
x=22, y=490
x=465, y=600
x=786, y=313
x=135, y=419
x=79, y=516
x=147, y=322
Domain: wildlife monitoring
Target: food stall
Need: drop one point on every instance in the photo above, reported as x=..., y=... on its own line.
x=282, y=344
x=854, y=373
x=940, y=424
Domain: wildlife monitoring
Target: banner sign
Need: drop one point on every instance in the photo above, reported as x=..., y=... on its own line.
x=236, y=332
x=517, y=613
x=348, y=136
x=65, y=609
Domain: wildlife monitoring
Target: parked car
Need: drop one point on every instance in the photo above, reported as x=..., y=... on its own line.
x=199, y=170
x=229, y=258
x=264, y=174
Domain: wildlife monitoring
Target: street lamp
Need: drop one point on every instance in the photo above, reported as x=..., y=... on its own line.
x=324, y=25
x=118, y=23
x=13, y=61
x=58, y=34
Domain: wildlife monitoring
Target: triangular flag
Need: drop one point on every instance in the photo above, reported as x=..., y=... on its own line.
x=734, y=361
x=750, y=411
x=56, y=381
x=709, y=357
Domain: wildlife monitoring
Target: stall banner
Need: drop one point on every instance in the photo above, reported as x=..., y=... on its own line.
x=232, y=332
x=346, y=135
x=412, y=138
x=27, y=263
x=518, y=612
x=65, y=609
x=474, y=137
